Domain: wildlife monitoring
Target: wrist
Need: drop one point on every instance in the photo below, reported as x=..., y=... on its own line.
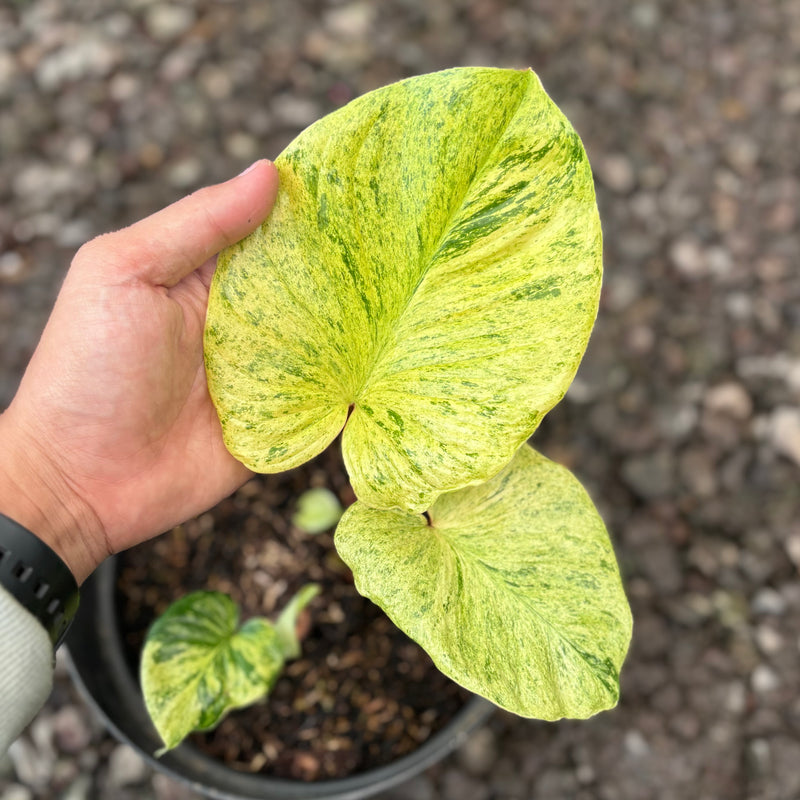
x=39, y=496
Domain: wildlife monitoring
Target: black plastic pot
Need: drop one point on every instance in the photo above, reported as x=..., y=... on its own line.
x=102, y=674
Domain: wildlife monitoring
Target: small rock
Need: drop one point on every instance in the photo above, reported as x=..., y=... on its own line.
x=42, y=180
x=88, y=760
x=71, y=732
x=689, y=258
x=651, y=476
x=85, y=58
x=554, y=783
x=79, y=789
x=242, y=146
x=768, y=601
x=352, y=21
x=676, y=422
x=41, y=733
x=640, y=339
x=16, y=791
x=166, y=788
x=730, y=399
x=660, y=564
x=757, y=757
x=784, y=432
x=585, y=774
x=742, y=153
x=73, y=234
x=478, y=754
x=167, y=21
x=216, y=82
x=731, y=608
x=686, y=725
x=621, y=291
x=8, y=70
x=185, y=173
x=78, y=150
x=458, y=786
x=294, y=112
x=636, y=745
x=768, y=640
x=764, y=679
x=691, y=609
x=118, y=26
x=12, y=267
x=782, y=219
x=736, y=698
x=790, y=102
x=739, y=306
x=793, y=549
x=507, y=780
x=698, y=472
x=124, y=87
x=646, y=15
x=65, y=771
x=785, y=756
x=616, y=172
x=126, y=767
x=178, y=65
x=32, y=768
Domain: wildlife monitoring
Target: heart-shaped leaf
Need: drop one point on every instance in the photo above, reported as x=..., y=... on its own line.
x=433, y=264
x=198, y=664
x=512, y=588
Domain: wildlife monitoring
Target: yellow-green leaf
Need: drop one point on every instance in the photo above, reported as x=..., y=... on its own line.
x=197, y=664
x=318, y=510
x=513, y=588
x=433, y=263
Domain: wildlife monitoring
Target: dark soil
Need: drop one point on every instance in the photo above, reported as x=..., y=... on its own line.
x=361, y=695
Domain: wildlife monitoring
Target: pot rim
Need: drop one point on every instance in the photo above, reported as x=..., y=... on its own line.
x=104, y=680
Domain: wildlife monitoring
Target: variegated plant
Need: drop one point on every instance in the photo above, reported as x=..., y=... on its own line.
x=198, y=663
x=426, y=286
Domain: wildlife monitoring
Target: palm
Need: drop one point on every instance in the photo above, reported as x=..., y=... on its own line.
x=112, y=437
x=131, y=420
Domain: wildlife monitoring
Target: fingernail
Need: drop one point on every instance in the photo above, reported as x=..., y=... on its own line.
x=251, y=167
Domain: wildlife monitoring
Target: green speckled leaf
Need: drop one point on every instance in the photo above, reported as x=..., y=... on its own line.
x=513, y=589
x=434, y=261
x=198, y=664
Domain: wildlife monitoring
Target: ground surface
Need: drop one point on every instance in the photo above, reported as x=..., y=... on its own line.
x=685, y=419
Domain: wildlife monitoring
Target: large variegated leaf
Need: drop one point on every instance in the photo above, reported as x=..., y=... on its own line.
x=433, y=263
x=512, y=588
x=198, y=664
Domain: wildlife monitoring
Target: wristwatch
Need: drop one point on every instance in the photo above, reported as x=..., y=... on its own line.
x=32, y=573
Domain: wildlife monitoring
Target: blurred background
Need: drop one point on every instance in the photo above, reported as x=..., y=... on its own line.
x=684, y=420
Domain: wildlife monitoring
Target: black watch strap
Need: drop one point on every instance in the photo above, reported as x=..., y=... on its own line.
x=37, y=578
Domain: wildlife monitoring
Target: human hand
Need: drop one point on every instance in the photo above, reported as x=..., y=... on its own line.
x=112, y=437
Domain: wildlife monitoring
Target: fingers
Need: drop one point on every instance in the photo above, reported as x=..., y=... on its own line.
x=173, y=242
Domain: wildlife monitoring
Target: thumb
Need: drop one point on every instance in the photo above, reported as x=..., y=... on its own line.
x=173, y=242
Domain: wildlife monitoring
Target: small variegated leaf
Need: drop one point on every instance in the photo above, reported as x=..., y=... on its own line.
x=432, y=262
x=198, y=663
x=513, y=588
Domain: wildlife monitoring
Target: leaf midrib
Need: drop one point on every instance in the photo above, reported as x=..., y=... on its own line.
x=451, y=542
x=388, y=336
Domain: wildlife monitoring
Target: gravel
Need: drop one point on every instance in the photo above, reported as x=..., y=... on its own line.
x=684, y=421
